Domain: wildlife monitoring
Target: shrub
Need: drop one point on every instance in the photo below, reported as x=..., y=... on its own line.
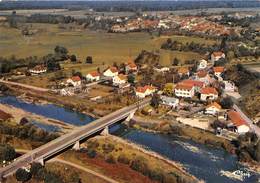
x=52, y=178
x=110, y=159
x=91, y=153
x=122, y=158
x=108, y=148
x=22, y=175
x=139, y=164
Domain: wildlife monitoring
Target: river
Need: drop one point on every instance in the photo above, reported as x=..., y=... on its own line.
x=200, y=160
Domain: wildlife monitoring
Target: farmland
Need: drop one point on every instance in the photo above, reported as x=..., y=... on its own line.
x=83, y=43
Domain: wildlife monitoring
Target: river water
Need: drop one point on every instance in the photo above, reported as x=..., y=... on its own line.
x=200, y=160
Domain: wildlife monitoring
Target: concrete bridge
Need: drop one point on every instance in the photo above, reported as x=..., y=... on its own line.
x=72, y=139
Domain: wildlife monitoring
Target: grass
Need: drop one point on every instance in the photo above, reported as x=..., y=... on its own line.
x=104, y=47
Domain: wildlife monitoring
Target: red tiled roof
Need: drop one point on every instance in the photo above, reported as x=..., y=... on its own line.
x=236, y=119
x=122, y=77
x=184, y=86
x=218, y=69
x=215, y=104
x=75, y=78
x=194, y=83
x=94, y=74
x=143, y=89
x=183, y=70
x=209, y=90
x=113, y=69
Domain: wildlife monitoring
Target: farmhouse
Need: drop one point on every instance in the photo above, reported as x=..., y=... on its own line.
x=39, y=69
x=184, y=90
x=197, y=84
x=213, y=108
x=208, y=93
x=238, y=122
x=119, y=80
x=93, y=76
x=111, y=72
x=74, y=81
x=130, y=66
x=147, y=90
x=215, y=56
x=218, y=71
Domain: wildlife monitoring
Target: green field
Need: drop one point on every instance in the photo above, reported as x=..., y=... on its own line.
x=103, y=47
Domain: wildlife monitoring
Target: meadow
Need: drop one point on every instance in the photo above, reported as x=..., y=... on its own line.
x=103, y=47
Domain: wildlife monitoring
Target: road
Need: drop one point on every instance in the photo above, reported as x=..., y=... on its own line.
x=253, y=127
x=54, y=147
x=24, y=86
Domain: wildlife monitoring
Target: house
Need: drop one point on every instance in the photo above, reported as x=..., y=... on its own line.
x=93, y=76
x=213, y=108
x=208, y=93
x=238, y=122
x=147, y=90
x=170, y=101
x=215, y=56
x=202, y=64
x=183, y=71
x=111, y=72
x=130, y=66
x=74, y=81
x=218, y=71
x=119, y=80
x=162, y=69
x=197, y=84
x=203, y=76
x=229, y=86
x=39, y=69
x=184, y=90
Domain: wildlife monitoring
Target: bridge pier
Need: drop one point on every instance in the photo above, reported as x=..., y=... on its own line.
x=76, y=146
x=131, y=115
x=105, y=132
x=41, y=161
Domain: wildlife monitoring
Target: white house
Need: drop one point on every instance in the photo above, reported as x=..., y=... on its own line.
x=93, y=76
x=238, y=122
x=147, y=90
x=202, y=64
x=197, y=84
x=130, y=67
x=111, y=72
x=208, y=93
x=184, y=90
x=39, y=69
x=218, y=71
x=170, y=101
x=119, y=80
x=215, y=56
x=229, y=86
x=213, y=108
x=75, y=81
x=203, y=76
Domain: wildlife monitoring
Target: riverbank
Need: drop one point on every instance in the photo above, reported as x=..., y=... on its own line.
x=128, y=162
x=18, y=114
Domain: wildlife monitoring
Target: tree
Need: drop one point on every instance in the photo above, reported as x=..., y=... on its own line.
x=73, y=58
x=131, y=78
x=22, y=175
x=175, y=61
x=155, y=101
x=7, y=152
x=89, y=60
x=226, y=103
x=168, y=89
x=35, y=168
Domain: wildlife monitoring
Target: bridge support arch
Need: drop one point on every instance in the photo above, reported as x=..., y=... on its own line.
x=76, y=146
x=105, y=132
x=41, y=161
x=131, y=115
